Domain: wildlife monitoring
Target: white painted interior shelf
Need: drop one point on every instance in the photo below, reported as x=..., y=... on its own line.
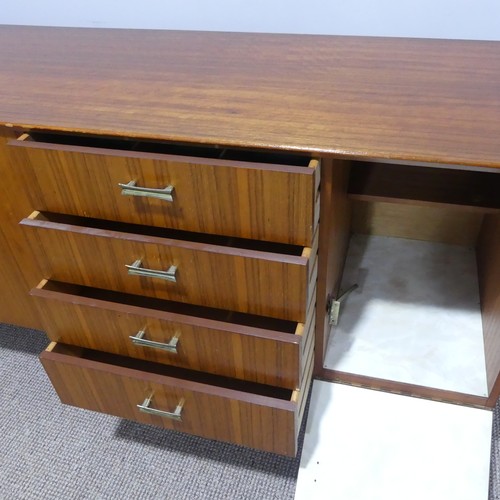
x=415, y=317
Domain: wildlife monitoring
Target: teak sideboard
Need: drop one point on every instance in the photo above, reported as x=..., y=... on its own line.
x=177, y=209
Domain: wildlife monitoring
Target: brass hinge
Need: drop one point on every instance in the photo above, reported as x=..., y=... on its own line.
x=334, y=305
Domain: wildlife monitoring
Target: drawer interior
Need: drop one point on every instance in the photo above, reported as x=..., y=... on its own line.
x=205, y=379
x=236, y=318
x=424, y=253
x=171, y=148
x=196, y=271
x=171, y=234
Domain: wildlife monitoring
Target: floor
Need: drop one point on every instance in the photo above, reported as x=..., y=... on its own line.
x=52, y=451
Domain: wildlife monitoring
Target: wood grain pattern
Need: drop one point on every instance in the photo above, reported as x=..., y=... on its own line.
x=305, y=385
x=246, y=200
x=248, y=281
x=467, y=190
x=229, y=349
x=257, y=421
x=434, y=101
x=307, y=356
x=334, y=232
x=414, y=101
x=428, y=223
x=17, y=267
x=488, y=262
x=404, y=389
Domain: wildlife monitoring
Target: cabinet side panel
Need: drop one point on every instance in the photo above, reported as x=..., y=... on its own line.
x=335, y=218
x=488, y=259
x=16, y=306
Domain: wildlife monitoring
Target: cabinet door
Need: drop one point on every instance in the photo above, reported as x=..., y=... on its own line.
x=362, y=444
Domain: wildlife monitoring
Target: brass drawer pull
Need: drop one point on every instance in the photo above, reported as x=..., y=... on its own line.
x=138, y=339
x=130, y=189
x=173, y=415
x=135, y=269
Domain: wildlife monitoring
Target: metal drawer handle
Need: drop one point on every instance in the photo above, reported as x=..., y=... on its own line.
x=135, y=269
x=130, y=189
x=173, y=415
x=138, y=339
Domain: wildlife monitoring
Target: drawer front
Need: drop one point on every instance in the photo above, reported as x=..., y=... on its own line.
x=248, y=200
x=265, y=422
x=260, y=283
x=96, y=320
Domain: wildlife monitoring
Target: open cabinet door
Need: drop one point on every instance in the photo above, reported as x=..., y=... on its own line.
x=362, y=444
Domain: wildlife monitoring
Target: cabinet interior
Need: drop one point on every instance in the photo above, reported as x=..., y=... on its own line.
x=424, y=252
x=171, y=148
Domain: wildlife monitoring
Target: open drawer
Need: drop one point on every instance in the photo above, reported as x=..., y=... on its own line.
x=246, y=347
x=402, y=447
x=254, y=415
x=246, y=194
x=262, y=278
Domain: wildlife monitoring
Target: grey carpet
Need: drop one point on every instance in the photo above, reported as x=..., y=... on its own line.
x=52, y=451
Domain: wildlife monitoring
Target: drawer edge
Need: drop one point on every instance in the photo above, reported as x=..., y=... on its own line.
x=25, y=141
x=50, y=358
x=40, y=292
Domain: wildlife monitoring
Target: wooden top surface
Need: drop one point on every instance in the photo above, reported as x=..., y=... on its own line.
x=431, y=101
